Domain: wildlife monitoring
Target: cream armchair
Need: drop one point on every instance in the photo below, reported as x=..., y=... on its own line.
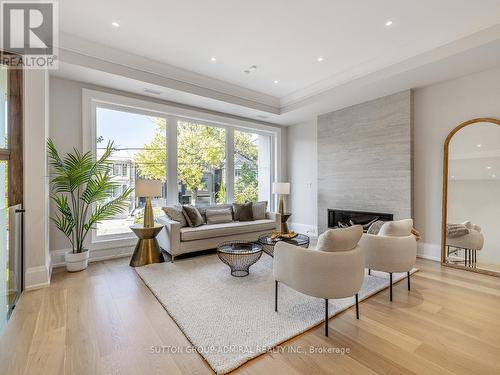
x=394, y=249
x=334, y=270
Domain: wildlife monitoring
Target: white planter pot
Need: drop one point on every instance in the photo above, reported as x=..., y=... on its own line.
x=76, y=262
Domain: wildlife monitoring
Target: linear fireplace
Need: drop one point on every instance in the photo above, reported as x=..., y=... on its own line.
x=343, y=218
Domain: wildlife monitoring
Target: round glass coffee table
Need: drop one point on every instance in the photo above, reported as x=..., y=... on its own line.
x=239, y=256
x=268, y=243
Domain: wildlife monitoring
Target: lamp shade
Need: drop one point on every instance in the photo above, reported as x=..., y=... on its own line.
x=282, y=188
x=148, y=188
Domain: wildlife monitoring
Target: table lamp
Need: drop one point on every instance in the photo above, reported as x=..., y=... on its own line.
x=281, y=188
x=148, y=189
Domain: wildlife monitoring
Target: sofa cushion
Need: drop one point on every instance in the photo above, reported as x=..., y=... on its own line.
x=242, y=212
x=192, y=215
x=219, y=215
x=259, y=210
x=400, y=228
x=226, y=229
x=342, y=239
x=203, y=209
x=175, y=213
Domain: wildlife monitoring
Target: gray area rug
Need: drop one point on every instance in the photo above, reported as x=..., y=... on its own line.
x=231, y=320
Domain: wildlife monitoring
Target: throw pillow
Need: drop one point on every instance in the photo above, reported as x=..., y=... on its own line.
x=192, y=215
x=242, y=212
x=259, y=210
x=175, y=213
x=219, y=215
x=401, y=228
x=375, y=227
x=342, y=239
x=456, y=230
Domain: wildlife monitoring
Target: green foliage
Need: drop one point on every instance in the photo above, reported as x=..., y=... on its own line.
x=200, y=148
x=152, y=160
x=221, y=194
x=246, y=188
x=80, y=188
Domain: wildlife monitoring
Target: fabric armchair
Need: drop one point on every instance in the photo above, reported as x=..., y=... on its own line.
x=328, y=274
x=391, y=253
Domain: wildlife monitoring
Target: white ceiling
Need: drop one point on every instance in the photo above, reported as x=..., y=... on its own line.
x=176, y=39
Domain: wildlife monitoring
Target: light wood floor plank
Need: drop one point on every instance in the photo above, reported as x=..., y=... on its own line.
x=106, y=321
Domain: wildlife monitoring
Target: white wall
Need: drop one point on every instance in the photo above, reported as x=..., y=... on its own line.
x=438, y=109
x=302, y=162
x=36, y=190
x=478, y=201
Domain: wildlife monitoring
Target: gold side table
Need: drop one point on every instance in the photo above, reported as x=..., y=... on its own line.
x=147, y=250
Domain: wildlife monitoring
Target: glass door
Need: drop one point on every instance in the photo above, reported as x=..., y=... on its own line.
x=11, y=192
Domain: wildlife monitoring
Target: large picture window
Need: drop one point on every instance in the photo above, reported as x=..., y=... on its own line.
x=140, y=153
x=252, y=167
x=201, y=160
x=206, y=162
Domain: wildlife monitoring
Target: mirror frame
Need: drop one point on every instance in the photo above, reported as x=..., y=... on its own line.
x=445, y=196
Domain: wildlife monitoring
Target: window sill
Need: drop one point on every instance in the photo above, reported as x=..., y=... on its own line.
x=108, y=243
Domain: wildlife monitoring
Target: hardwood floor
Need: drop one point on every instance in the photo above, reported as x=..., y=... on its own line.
x=105, y=320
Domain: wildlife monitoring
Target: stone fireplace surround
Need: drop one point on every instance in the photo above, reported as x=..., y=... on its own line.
x=365, y=158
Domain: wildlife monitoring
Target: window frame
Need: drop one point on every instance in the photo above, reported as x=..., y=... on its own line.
x=92, y=99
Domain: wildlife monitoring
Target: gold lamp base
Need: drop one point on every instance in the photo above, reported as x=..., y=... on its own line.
x=147, y=250
x=148, y=214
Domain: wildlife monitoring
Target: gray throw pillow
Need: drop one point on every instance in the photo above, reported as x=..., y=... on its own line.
x=375, y=227
x=175, y=213
x=242, y=212
x=259, y=210
x=192, y=215
x=219, y=215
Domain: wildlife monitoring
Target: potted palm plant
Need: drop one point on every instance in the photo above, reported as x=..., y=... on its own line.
x=82, y=190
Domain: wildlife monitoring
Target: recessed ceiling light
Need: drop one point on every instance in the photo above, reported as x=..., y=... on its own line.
x=452, y=176
x=115, y=24
x=320, y=59
x=494, y=175
x=276, y=81
x=213, y=59
x=388, y=23
x=479, y=145
x=489, y=167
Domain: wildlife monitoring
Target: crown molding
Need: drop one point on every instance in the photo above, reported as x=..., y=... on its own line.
x=382, y=67
x=78, y=51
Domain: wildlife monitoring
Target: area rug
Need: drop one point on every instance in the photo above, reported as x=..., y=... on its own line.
x=230, y=320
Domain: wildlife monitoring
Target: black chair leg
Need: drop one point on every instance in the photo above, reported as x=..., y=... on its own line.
x=276, y=296
x=357, y=306
x=390, y=287
x=369, y=271
x=408, y=280
x=465, y=257
x=326, y=317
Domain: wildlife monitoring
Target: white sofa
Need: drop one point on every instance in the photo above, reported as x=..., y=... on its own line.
x=176, y=240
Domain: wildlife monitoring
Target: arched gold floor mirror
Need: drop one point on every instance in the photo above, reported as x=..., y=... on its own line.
x=471, y=197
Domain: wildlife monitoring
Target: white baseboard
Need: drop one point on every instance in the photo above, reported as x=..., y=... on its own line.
x=36, y=277
x=309, y=230
x=57, y=256
x=429, y=251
